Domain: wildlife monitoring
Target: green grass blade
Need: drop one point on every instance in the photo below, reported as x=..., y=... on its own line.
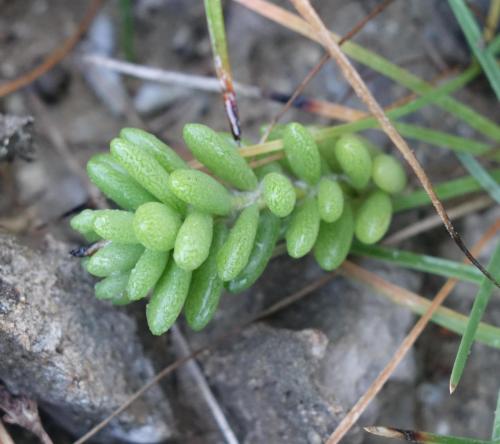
x=433, y=137
x=445, y=190
x=442, y=139
x=127, y=29
x=495, y=434
x=481, y=175
x=421, y=262
x=421, y=437
x=473, y=36
x=494, y=46
x=215, y=20
x=414, y=131
x=449, y=319
x=412, y=82
x=384, y=67
x=478, y=309
x=217, y=31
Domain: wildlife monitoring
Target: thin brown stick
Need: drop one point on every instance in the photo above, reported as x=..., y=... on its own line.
x=363, y=402
x=352, y=76
x=56, y=56
x=312, y=73
x=287, y=301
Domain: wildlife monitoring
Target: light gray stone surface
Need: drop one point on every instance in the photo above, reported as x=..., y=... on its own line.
x=78, y=357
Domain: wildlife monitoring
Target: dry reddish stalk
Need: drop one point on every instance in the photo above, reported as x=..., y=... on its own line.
x=352, y=76
x=56, y=56
x=312, y=73
x=357, y=410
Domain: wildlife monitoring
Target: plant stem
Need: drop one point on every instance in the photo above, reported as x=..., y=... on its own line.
x=380, y=65
x=445, y=190
x=422, y=262
x=449, y=319
x=478, y=309
x=215, y=21
x=481, y=175
x=127, y=31
x=473, y=36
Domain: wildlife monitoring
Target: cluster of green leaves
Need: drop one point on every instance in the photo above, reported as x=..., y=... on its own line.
x=172, y=235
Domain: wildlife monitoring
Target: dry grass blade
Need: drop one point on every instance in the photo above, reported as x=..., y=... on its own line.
x=359, y=86
x=55, y=57
x=363, y=402
x=216, y=28
x=287, y=301
x=312, y=73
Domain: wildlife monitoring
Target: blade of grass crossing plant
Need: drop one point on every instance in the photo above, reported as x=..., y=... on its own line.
x=442, y=139
x=421, y=262
x=352, y=76
x=481, y=175
x=215, y=20
x=416, y=132
x=449, y=319
x=127, y=29
x=473, y=36
x=445, y=190
x=378, y=64
x=421, y=437
x=478, y=309
x=495, y=434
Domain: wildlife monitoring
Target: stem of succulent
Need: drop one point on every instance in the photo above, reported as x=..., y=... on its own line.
x=243, y=199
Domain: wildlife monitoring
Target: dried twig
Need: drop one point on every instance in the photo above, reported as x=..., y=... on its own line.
x=56, y=56
x=363, y=402
x=194, y=371
x=211, y=84
x=352, y=76
x=23, y=412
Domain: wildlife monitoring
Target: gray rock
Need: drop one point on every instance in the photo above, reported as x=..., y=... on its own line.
x=364, y=331
x=78, y=357
x=265, y=379
x=16, y=137
x=360, y=331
